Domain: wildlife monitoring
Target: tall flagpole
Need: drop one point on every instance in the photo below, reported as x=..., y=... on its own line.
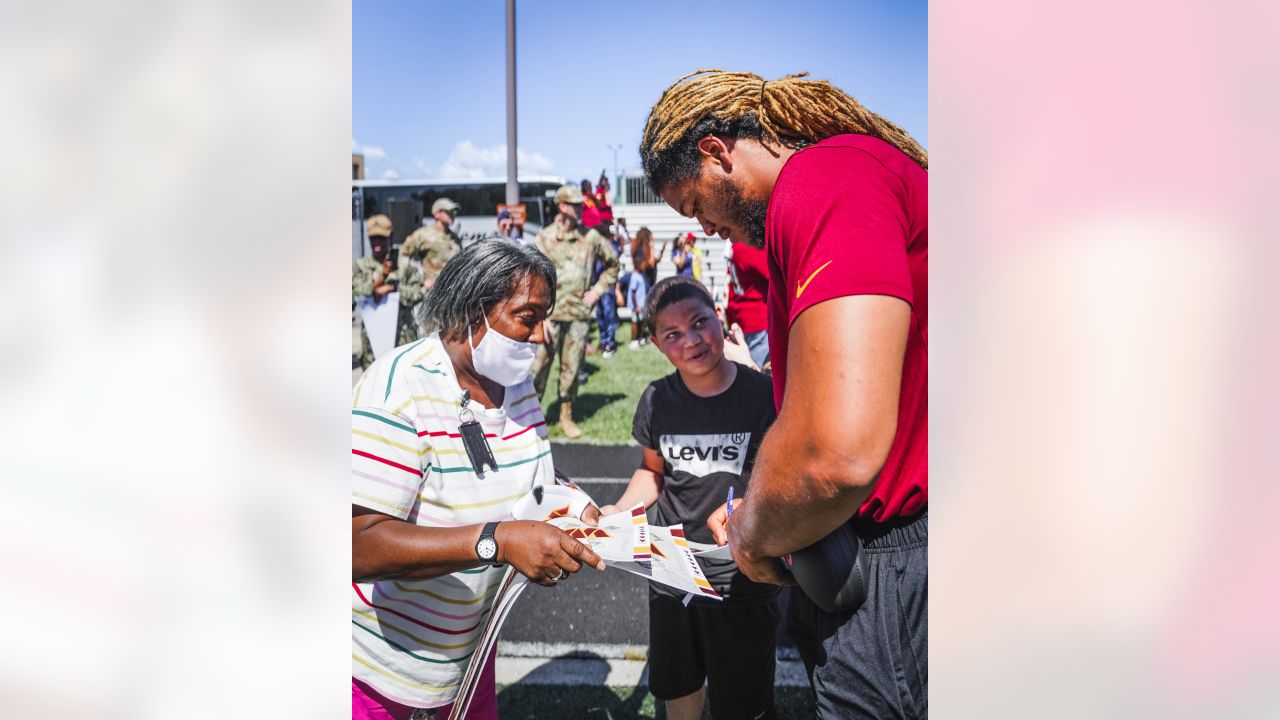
x=513, y=186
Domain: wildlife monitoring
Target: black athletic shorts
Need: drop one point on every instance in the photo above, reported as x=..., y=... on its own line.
x=873, y=662
x=730, y=648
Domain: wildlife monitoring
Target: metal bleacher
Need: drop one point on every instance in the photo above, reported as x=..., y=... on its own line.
x=665, y=223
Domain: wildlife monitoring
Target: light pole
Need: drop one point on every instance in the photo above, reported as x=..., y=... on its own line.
x=616, y=178
x=513, y=185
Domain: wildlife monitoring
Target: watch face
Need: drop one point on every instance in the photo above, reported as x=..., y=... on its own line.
x=487, y=549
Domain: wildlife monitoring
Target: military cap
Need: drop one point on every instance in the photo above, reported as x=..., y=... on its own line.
x=446, y=205
x=379, y=225
x=569, y=194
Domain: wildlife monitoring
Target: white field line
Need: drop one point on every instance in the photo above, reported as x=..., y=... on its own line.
x=572, y=671
x=601, y=664
x=592, y=651
x=583, y=651
x=608, y=672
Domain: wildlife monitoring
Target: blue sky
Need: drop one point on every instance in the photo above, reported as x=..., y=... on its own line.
x=428, y=78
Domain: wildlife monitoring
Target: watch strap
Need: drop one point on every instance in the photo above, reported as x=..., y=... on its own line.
x=488, y=532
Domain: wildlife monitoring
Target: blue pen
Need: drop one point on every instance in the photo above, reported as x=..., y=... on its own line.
x=728, y=513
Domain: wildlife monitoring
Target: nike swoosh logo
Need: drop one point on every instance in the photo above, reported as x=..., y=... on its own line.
x=805, y=284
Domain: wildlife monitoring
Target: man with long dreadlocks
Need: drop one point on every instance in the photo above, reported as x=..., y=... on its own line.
x=838, y=197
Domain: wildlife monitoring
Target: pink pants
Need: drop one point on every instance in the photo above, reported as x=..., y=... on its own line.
x=369, y=704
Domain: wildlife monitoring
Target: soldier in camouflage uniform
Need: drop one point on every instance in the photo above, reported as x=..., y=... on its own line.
x=378, y=230
x=430, y=247
x=359, y=346
x=574, y=254
x=373, y=276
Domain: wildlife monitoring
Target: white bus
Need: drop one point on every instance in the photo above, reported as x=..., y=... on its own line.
x=408, y=204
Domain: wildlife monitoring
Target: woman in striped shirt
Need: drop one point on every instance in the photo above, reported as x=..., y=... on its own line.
x=428, y=532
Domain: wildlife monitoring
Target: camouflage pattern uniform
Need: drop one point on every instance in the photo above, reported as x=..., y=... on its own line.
x=428, y=249
x=574, y=256
x=411, y=291
x=361, y=355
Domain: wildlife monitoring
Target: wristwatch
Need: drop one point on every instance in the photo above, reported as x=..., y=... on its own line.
x=487, y=545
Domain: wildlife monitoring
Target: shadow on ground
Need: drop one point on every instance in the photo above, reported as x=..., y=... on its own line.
x=588, y=698
x=527, y=701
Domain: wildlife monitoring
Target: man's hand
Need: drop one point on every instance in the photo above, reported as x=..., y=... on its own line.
x=543, y=553
x=591, y=297
x=383, y=290
x=591, y=515
x=757, y=568
x=760, y=569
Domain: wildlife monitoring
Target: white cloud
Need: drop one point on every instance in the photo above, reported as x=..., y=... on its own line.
x=370, y=152
x=465, y=160
x=420, y=168
x=468, y=161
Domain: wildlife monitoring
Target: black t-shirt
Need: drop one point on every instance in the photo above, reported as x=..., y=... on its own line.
x=707, y=444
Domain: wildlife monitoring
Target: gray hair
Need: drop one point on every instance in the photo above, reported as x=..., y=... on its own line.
x=477, y=279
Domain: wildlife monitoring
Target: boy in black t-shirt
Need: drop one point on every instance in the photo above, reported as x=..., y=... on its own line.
x=700, y=428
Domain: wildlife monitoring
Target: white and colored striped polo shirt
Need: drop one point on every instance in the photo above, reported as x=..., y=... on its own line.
x=411, y=639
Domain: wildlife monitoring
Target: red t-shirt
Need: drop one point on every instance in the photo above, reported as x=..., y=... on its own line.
x=748, y=291
x=849, y=216
x=590, y=213
x=602, y=202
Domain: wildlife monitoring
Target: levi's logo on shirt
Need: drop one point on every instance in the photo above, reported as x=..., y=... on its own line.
x=705, y=454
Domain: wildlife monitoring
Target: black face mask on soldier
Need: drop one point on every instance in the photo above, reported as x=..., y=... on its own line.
x=573, y=218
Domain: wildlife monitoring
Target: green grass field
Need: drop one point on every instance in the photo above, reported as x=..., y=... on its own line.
x=539, y=702
x=607, y=401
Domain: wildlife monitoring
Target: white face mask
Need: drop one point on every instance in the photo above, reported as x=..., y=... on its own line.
x=501, y=359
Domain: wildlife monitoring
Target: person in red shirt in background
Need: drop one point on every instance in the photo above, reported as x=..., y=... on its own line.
x=748, y=292
x=838, y=197
x=590, y=207
x=602, y=198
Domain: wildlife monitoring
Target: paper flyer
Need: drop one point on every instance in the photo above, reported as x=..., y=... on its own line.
x=625, y=540
x=621, y=537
